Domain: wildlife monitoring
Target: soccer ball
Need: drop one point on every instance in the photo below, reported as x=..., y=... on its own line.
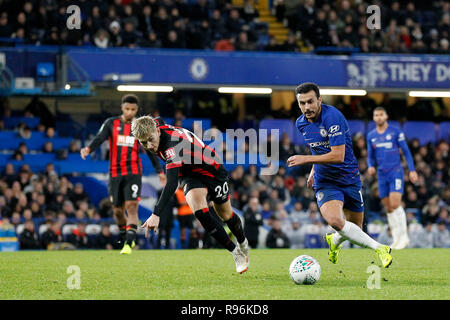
x=305, y=270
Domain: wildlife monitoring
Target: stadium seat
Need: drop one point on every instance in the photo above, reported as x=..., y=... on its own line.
x=93, y=229
x=313, y=241
x=283, y=125
x=42, y=228
x=313, y=238
x=374, y=230
x=423, y=130
x=7, y=135
x=444, y=131
x=357, y=126
x=19, y=229
x=67, y=230
x=114, y=229
x=13, y=122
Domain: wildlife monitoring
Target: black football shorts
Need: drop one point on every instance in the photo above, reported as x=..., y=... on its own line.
x=218, y=186
x=124, y=188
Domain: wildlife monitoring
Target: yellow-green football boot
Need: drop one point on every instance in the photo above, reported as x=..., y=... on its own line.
x=334, y=251
x=383, y=253
x=127, y=249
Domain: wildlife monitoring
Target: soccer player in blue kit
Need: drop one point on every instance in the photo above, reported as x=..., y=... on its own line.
x=335, y=174
x=383, y=146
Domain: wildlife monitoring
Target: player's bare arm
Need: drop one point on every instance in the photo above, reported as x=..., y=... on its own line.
x=336, y=155
x=310, y=180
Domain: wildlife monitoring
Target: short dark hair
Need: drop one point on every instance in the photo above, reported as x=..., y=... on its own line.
x=379, y=109
x=307, y=87
x=130, y=98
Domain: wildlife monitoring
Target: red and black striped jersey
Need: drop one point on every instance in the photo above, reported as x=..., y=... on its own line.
x=179, y=147
x=124, y=149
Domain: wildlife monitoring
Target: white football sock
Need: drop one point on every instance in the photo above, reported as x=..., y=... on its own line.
x=338, y=238
x=355, y=234
x=400, y=217
x=393, y=225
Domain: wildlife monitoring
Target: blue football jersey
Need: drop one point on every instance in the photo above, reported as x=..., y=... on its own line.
x=330, y=129
x=384, y=149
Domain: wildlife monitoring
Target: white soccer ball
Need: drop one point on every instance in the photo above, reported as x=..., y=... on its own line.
x=305, y=270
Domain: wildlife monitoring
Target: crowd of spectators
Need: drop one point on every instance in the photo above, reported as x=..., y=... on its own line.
x=406, y=26
x=204, y=24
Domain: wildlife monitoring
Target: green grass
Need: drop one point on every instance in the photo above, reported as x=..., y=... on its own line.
x=210, y=274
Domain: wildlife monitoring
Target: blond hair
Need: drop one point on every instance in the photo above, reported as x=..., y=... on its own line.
x=143, y=127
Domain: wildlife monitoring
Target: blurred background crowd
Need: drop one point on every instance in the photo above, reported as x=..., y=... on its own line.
x=406, y=26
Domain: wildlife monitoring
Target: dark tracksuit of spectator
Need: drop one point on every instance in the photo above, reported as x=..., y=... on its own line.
x=252, y=221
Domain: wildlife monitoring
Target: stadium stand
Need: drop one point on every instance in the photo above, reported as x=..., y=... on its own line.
x=39, y=170
x=326, y=26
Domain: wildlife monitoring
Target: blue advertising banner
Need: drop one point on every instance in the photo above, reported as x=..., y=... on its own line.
x=398, y=72
x=198, y=67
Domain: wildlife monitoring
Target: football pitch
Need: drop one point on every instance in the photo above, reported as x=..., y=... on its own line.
x=210, y=275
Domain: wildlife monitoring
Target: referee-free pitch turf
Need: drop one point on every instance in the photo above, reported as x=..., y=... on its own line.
x=210, y=274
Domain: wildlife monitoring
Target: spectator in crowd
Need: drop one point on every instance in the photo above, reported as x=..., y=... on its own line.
x=29, y=238
x=78, y=194
x=52, y=235
x=441, y=237
x=79, y=237
x=425, y=239
x=276, y=238
x=252, y=221
x=105, y=240
x=48, y=147
x=296, y=236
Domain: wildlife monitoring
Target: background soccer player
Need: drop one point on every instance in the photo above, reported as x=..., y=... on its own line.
x=383, y=146
x=201, y=175
x=335, y=174
x=125, y=169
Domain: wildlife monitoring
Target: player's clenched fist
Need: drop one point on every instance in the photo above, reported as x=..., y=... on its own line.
x=85, y=152
x=152, y=223
x=296, y=161
x=371, y=170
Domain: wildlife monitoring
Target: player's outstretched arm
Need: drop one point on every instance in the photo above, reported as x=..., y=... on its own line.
x=101, y=136
x=408, y=156
x=336, y=155
x=168, y=191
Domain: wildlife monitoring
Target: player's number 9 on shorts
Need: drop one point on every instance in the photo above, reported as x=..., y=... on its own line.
x=135, y=189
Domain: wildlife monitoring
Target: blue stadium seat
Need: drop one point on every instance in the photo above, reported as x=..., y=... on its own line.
x=444, y=131
x=45, y=71
x=13, y=122
x=39, y=158
x=393, y=123
x=425, y=131
x=7, y=135
x=313, y=241
x=357, y=126
x=188, y=123
x=283, y=125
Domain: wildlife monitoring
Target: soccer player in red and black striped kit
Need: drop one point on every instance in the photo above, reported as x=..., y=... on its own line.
x=202, y=176
x=125, y=169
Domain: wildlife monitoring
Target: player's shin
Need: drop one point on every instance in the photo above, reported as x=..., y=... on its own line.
x=122, y=233
x=131, y=234
x=235, y=225
x=354, y=233
x=394, y=227
x=400, y=217
x=214, y=228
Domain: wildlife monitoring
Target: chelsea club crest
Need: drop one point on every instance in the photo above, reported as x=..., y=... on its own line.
x=198, y=69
